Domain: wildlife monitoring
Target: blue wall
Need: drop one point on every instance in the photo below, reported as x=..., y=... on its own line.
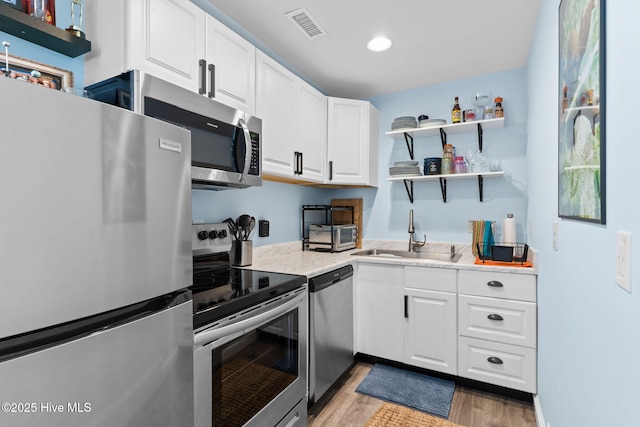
x=589, y=334
x=448, y=221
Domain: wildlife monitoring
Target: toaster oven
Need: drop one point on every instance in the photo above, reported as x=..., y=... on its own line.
x=342, y=238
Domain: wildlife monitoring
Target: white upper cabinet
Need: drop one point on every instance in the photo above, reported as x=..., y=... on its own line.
x=276, y=92
x=233, y=60
x=293, y=123
x=312, y=132
x=174, y=40
x=165, y=38
x=352, y=142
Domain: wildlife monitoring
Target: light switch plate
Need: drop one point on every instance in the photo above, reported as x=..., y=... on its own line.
x=555, y=235
x=623, y=260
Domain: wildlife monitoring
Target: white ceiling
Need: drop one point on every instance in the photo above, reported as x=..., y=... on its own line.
x=434, y=41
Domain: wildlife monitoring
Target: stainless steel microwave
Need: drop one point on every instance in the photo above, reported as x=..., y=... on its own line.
x=225, y=142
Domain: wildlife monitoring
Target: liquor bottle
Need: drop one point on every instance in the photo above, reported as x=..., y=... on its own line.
x=456, y=114
x=499, y=111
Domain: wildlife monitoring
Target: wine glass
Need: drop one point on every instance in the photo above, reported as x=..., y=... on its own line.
x=481, y=100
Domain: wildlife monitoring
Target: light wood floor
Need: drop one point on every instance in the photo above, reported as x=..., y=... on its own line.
x=342, y=406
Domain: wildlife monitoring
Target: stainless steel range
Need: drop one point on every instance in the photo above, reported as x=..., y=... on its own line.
x=250, y=357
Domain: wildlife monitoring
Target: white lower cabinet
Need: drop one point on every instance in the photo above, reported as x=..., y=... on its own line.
x=430, y=339
x=407, y=314
x=378, y=311
x=497, y=328
x=480, y=325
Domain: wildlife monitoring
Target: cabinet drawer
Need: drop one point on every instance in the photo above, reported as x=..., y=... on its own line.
x=498, y=285
x=505, y=321
x=500, y=364
x=379, y=273
x=431, y=279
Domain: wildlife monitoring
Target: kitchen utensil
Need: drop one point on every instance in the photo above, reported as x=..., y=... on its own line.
x=243, y=222
x=233, y=227
x=252, y=224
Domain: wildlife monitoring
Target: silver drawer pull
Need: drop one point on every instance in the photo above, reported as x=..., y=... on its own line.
x=495, y=284
x=495, y=360
x=495, y=317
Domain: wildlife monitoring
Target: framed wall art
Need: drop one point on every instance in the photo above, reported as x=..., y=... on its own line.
x=36, y=73
x=581, y=96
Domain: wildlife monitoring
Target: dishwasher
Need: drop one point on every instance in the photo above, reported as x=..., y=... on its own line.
x=330, y=329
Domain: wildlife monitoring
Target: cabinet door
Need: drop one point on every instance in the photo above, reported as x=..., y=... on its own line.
x=234, y=65
x=350, y=141
x=430, y=330
x=378, y=311
x=312, y=132
x=167, y=40
x=276, y=90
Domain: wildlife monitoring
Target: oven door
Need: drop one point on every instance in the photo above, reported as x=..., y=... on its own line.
x=251, y=368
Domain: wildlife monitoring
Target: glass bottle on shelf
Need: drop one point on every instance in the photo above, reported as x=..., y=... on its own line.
x=456, y=114
x=499, y=111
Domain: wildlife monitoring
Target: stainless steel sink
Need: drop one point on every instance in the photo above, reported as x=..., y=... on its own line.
x=391, y=253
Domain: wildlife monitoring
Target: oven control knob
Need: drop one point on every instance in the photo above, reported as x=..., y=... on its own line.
x=213, y=234
x=202, y=235
x=222, y=234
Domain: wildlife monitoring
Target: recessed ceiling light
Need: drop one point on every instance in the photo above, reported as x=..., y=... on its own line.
x=379, y=44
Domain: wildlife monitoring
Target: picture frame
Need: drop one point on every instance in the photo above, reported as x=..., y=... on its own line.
x=16, y=4
x=21, y=69
x=582, y=108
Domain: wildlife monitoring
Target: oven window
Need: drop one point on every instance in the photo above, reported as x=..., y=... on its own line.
x=250, y=371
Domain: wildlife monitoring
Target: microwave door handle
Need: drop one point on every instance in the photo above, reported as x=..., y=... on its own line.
x=204, y=338
x=247, y=156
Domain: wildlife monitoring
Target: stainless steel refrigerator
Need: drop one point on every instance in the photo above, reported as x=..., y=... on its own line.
x=95, y=261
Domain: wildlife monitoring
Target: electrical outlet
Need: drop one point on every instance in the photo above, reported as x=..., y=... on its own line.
x=469, y=226
x=623, y=260
x=555, y=235
x=531, y=229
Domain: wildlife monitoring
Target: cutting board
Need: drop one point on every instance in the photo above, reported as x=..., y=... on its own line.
x=344, y=217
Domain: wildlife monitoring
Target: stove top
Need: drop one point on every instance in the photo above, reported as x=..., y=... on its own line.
x=220, y=290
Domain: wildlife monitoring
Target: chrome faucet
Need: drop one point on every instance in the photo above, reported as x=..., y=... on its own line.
x=414, y=243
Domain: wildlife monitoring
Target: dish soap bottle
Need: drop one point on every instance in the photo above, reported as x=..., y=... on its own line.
x=456, y=114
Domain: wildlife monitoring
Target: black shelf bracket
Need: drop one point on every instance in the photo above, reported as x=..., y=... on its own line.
x=409, y=140
x=443, y=137
x=480, y=137
x=480, y=183
x=443, y=188
x=408, y=185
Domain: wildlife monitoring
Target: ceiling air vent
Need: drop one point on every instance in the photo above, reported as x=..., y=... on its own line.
x=306, y=23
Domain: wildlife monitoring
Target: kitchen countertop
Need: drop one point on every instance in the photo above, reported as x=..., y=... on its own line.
x=290, y=258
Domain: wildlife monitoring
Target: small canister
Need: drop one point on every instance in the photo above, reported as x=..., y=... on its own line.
x=469, y=115
x=458, y=165
x=432, y=165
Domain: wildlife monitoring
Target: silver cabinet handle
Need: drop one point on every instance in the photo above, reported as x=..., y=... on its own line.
x=495, y=360
x=495, y=284
x=494, y=316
